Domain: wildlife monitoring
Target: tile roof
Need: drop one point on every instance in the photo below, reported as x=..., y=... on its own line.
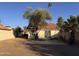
x=48, y=26
x=2, y=27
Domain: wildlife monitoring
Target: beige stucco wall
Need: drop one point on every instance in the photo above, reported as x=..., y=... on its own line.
x=28, y=34
x=41, y=33
x=6, y=34
x=54, y=33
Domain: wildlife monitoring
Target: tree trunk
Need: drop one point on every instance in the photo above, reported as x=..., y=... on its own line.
x=72, y=37
x=34, y=35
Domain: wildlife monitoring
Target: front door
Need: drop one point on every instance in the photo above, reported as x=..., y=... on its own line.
x=47, y=33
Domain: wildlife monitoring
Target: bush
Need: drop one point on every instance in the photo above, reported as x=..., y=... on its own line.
x=18, y=32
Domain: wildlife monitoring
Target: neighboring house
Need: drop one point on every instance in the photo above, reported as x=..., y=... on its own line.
x=6, y=32
x=48, y=31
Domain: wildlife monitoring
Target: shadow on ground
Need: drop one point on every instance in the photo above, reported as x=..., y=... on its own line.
x=55, y=49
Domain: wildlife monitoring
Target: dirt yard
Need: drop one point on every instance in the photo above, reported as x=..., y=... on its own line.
x=16, y=47
x=24, y=47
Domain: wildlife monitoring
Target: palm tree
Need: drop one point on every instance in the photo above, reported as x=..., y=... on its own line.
x=60, y=24
x=71, y=25
x=49, y=4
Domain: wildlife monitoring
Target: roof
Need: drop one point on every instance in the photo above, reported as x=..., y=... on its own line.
x=2, y=27
x=48, y=26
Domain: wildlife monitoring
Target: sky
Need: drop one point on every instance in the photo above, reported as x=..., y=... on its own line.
x=11, y=13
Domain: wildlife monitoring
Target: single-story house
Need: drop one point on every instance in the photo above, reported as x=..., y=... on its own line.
x=6, y=32
x=46, y=31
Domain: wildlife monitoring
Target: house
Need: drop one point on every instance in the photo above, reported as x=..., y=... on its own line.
x=48, y=31
x=6, y=32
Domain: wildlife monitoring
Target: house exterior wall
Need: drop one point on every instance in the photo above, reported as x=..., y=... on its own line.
x=6, y=34
x=54, y=33
x=29, y=35
x=41, y=34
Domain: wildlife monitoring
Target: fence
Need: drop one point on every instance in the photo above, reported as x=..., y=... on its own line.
x=66, y=36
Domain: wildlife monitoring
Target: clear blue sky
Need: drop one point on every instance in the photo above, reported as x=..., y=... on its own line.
x=11, y=13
